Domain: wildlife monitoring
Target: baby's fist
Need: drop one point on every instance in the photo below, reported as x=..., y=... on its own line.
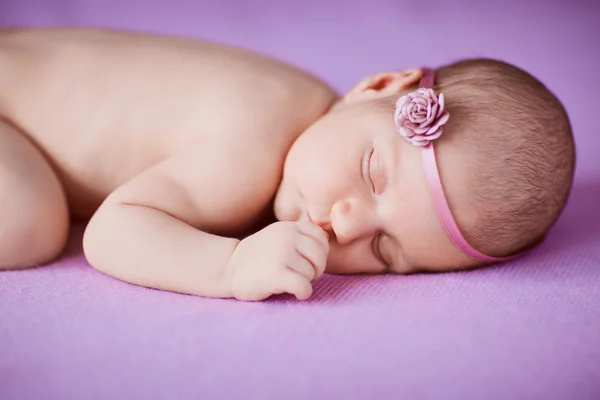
x=284, y=257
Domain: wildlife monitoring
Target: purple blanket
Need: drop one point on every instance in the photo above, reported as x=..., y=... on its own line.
x=529, y=329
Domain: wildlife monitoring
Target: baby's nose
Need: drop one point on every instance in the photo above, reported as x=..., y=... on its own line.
x=351, y=221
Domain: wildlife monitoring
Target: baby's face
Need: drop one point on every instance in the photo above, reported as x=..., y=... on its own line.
x=352, y=174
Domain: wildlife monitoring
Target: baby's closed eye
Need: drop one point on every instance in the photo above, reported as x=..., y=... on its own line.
x=376, y=172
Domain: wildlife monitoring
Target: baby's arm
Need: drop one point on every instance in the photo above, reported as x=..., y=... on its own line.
x=146, y=246
x=146, y=232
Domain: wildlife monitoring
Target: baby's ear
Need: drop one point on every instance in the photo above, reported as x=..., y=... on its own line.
x=383, y=84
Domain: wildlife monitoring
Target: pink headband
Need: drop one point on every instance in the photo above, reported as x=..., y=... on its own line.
x=419, y=118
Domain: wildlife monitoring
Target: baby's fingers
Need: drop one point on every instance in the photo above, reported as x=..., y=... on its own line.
x=315, y=232
x=293, y=283
x=303, y=266
x=314, y=253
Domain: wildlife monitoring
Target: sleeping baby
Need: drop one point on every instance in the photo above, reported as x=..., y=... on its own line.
x=213, y=171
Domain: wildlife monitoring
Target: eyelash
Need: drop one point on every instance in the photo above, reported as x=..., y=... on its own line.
x=376, y=246
x=366, y=170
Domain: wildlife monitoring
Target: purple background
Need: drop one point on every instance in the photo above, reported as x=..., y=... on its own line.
x=526, y=330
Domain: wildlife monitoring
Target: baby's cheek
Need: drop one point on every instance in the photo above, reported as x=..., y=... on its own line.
x=352, y=259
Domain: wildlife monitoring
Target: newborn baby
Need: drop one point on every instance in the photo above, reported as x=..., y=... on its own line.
x=213, y=171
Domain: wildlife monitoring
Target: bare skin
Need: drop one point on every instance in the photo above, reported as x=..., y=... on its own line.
x=177, y=149
x=126, y=103
x=134, y=121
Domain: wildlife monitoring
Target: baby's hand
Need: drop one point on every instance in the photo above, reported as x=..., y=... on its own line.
x=284, y=257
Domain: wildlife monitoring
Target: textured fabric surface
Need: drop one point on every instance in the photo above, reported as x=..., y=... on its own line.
x=529, y=329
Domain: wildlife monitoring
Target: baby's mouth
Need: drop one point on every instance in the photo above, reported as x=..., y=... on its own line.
x=323, y=224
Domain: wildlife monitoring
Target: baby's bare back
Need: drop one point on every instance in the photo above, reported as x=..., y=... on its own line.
x=105, y=106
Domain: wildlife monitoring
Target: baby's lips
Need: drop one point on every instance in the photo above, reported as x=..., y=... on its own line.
x=325, y=226
x=327, y=230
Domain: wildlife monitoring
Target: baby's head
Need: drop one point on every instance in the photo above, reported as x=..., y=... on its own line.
x=505, y=159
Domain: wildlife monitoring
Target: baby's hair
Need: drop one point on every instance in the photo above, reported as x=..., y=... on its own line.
x=519, y=149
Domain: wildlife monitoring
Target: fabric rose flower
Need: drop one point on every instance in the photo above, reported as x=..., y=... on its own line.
x=420, y=116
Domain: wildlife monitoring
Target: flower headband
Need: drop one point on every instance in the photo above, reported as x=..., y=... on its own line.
x=420, y=117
